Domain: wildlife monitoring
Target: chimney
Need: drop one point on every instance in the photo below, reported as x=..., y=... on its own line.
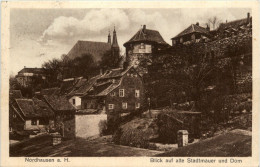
x=144, y=28
x=101, y=71
x=248, y=17
x=197, y=23
x=208, y=28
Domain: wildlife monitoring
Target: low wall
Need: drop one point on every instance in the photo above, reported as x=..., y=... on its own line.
x=89, y=125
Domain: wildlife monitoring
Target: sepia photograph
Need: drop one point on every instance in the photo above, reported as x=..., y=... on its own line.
x=130, y=82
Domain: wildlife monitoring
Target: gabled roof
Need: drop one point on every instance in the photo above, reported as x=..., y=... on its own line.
x=108, y=82
x=96, y=49
x=83, y=86
x=146, y=35
x=59, y=103
x=31, y=108
x=113, y=73
x=32, y=70
x=106, y=88
x=192, y=29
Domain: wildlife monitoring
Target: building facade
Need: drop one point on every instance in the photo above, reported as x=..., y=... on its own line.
x=30, y=115
x=29, y=76
x=115, y=93
x=142, y=46
x=194, y=33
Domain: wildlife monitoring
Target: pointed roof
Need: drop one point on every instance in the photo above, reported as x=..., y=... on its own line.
x=192, y=29
x=109, y=38
x=147, y=35
x=114, y=43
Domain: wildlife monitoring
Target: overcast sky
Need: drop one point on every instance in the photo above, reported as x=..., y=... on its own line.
x=38, y=35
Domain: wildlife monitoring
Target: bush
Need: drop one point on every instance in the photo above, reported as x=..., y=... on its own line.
x=137, y=133
x=102, y=127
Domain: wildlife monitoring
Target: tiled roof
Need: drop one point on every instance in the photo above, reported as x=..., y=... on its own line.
x=110, y=88
x=59, y=103
x=67, y=86
x=34, y=108
x=191, y=29
x=32, y=70
x=50, y=91
x=234, y=24
x=113, y=73
x=146, y=35
x=83, y=86
x=96, y=49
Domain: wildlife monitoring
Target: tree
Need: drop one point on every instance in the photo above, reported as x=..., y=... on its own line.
x=214, y=21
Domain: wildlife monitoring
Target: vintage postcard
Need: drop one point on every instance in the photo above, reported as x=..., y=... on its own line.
x=130, y=83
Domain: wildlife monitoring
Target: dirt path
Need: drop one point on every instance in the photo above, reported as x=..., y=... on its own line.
x=83, y=148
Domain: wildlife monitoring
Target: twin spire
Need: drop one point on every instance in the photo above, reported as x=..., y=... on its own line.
x=114, y=43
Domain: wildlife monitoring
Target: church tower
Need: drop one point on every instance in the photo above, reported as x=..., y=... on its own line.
x=109, y=38
x=115, y=44
x=115, y=47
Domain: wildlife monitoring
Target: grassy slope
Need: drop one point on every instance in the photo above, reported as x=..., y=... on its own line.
x=236, y=143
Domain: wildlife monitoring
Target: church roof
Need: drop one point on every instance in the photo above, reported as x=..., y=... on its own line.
x=147, y=35
x=192, y=29
x=96, y=49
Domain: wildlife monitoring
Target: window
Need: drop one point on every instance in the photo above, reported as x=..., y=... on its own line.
x=193, y=37
x=121, y=92
x=34, y=122
x=181, y=40
x=73, y=101
x=173, y=42
x=124, y=105
x=110, y=106
x=142, y=46
x=113, y=94
x=137, y=105
x=137, y=93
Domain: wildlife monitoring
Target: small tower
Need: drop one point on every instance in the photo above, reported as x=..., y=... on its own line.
x=114, y=43
x=115, y=48
x=109, y=38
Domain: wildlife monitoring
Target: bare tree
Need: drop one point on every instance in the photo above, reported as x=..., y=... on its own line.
x=214, y=21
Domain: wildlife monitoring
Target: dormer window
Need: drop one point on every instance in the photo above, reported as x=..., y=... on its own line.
x=113, y=94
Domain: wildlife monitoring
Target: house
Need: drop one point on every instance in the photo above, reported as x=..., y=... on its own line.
x=194, y=33
x=16, y=121
x=29, y=76
x=94, y=48
x=64, y=114
x=116, y=92
x=30, y=114
x=235, y=27
x=142, y=45
x=80, y=88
